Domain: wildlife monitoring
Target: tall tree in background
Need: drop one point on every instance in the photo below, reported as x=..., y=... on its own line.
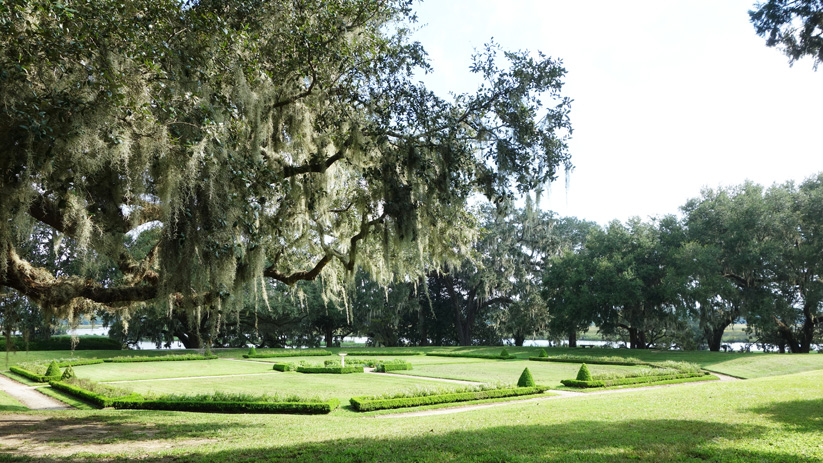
x=262, y=139
x=794, y=26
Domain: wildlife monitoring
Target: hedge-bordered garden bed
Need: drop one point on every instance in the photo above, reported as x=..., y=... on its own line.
x=501, y=356
x=288, y=353
x=366, y=404
x=591, y=359
x=332, y=370
x=138, y=402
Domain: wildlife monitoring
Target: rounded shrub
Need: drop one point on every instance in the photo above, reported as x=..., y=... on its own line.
x=53, y=370
x=542, y=353
x=526, y=379
x=583, y=374
x=68, y=373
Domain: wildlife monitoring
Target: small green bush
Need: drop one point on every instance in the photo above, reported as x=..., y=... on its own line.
x=394, y=365
x=283, y=367
x=526, y=379
x=68, y=373
x=161, y=358
x=504, y=353
x=289, y=353
x=53, y=370
x=365, y=404
x=583, y=374
x=252, y=351
x=332, y=370
x=542, y=353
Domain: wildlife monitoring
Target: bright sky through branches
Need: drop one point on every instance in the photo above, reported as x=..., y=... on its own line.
x=669, y=96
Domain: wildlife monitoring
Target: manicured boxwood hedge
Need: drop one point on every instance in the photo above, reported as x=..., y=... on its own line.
x=384, y=353
x=592, y=359
x=33, y=376
x=283, y=367
x=89, y=396
x=288, y=353
x=163, y=358
x=470, y=355
x=627, y=381
x=334, y=370
x=392, y=366
x=366, y=404
x=300, y=408
x=137, y=402
x=63, y=343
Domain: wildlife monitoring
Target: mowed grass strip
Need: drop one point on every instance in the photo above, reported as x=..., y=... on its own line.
x=159, y=370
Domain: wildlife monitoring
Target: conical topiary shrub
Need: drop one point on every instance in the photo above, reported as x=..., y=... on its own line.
x=542, y=353
x=68, y=373
x=53, y=370
x=526, y=379
x=252, y=351
x=583, y=374
x=504, y=353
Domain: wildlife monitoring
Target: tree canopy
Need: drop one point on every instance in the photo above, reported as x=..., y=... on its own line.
x=794, y=26
x=248, y=140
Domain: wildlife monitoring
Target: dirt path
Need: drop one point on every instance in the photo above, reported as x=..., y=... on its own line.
x=30, y=396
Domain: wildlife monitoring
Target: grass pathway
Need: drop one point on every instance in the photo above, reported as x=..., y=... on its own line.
x=30, y=396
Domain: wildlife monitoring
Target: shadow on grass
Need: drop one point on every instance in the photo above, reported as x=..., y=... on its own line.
x=802, y=415
x=103, y=429
x=587, y=441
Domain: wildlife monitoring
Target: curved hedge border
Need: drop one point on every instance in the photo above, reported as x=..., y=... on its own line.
x=334, y=370
x=300, y=408
x=137, y=402
x=288, y=353
x=45, y=379
x=366, y=404
x=466, y=355
x=627, y=381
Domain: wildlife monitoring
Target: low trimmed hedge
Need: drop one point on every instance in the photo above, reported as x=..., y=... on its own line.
x=288, y=353
x=333, y=370
x=80, y=362
x=366, y=404
x=592, y=359
x=136, y=401
x=392, y=366
x=626, y=381
x=300, y=408
x=283, y=367
x=162, y=358
x=33, y=376
x=468, y=355
x=383, y=353
x=89, y=396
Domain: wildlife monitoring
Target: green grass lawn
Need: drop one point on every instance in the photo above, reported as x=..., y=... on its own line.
x=157, y=370
x=771, y=419
x=9, y=404
x=324, y=386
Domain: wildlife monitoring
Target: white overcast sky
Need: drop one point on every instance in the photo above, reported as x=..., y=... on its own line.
x=669, y=96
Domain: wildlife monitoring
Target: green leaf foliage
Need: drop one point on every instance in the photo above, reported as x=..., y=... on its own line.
x=583, y=374
x=526, y=379
x=365, y=404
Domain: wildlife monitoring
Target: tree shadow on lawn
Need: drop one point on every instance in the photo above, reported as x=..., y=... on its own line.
x=589, y=441
x=100, y=429
x=801, y=415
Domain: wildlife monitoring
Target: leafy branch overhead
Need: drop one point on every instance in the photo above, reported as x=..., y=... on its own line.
x=249, y=139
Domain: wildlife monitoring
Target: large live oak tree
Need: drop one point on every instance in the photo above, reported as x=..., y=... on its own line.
x=262, y=139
